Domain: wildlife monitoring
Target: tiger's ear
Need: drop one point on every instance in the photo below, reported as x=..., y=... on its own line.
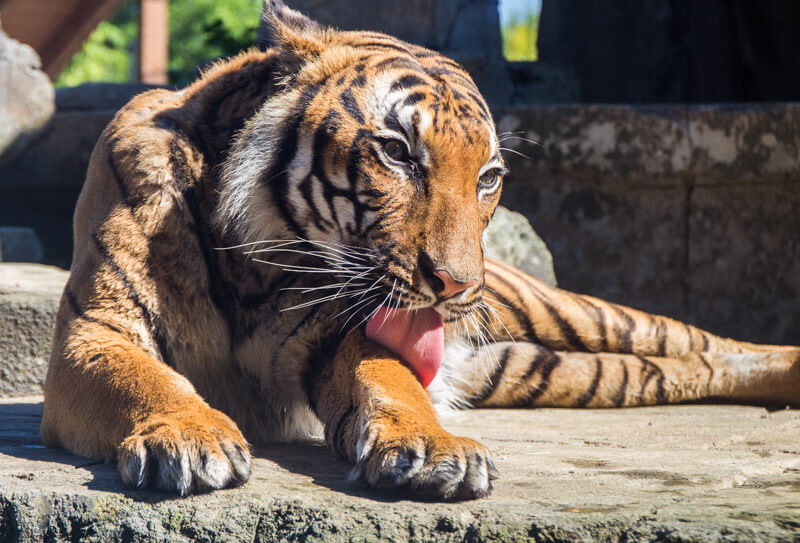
x=290, y=31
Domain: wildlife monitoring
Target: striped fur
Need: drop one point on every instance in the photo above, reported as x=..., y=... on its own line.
x=232, y=238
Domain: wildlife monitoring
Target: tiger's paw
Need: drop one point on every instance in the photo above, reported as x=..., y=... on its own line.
x=185, y=453
x=431, y=465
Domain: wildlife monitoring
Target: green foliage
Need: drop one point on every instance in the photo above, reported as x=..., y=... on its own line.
x=519, y=38
x=200, y=30
x=107, y=54
x=203, y=30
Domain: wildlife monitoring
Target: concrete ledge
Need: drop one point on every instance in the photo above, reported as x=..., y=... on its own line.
x=29, y=296
x=659, y=145
x=680, y=473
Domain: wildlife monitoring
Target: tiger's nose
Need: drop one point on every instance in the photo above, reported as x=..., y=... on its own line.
x=449, y=286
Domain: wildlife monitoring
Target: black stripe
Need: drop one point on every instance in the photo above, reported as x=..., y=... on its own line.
x=339, y=428
x=661, y=332
x=484, y=108
x=221, y=292
x=543, y=363
x=305, y=188
x=705, y=341
x=413, y=98
x=652, y=371
x=600, y=318
x=155, y=327
x=709, y=367
x=449, y=62
x=322, y=138
x=76, y=308
x=392, y=121
x=408, y=81
x=691, y=337
x=350, y=105
x=461, y=77
x=382, y=45
x=623, y=387
x=494, y=380
x=625, y=332
x=312, y=312
x=317, y=372
x=519, y=314
x=277, y=177
x=565, y=327
x=587, y=396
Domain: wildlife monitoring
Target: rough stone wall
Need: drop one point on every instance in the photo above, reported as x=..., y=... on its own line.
x=686, y=211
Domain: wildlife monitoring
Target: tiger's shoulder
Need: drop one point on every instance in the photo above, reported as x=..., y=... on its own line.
x=143, y=211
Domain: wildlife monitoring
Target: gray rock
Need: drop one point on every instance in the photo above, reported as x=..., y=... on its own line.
x=29, y=297
x=26, y=97
x=20, y=244
x=677, y=473
x=511, y=238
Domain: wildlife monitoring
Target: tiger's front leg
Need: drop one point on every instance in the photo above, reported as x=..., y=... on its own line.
x=378, y=416
x=106, y=397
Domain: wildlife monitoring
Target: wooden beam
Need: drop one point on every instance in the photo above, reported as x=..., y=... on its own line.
x=55, y=29
x=154, y=41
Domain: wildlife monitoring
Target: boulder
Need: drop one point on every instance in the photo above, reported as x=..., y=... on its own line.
x=29, y=296
x=511, y=238
x=26, y=97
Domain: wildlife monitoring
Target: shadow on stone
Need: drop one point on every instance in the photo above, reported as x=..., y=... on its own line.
x=19, y=438
x=316, y=461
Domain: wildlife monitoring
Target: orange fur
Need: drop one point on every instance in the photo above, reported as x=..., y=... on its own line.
x=173, y=341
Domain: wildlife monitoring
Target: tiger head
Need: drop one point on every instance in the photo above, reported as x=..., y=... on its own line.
x=374, y=144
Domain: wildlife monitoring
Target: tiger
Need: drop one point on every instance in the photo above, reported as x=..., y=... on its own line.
x=291, y=247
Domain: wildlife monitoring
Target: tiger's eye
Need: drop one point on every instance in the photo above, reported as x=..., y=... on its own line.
x=488, y=178
x=395, y=150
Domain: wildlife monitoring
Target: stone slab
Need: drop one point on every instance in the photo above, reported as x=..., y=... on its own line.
x=679, y=473
x=744, y=261
x=755, y=143
x=622, y=245
x=688, y=211
x=29, y=296
x=641, y=145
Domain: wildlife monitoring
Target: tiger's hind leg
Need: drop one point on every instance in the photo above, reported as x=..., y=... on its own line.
x=524, y=374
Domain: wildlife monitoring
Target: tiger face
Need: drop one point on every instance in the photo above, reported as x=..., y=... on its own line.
x=371, y=143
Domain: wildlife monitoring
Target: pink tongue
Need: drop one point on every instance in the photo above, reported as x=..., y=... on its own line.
x=416, y=336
